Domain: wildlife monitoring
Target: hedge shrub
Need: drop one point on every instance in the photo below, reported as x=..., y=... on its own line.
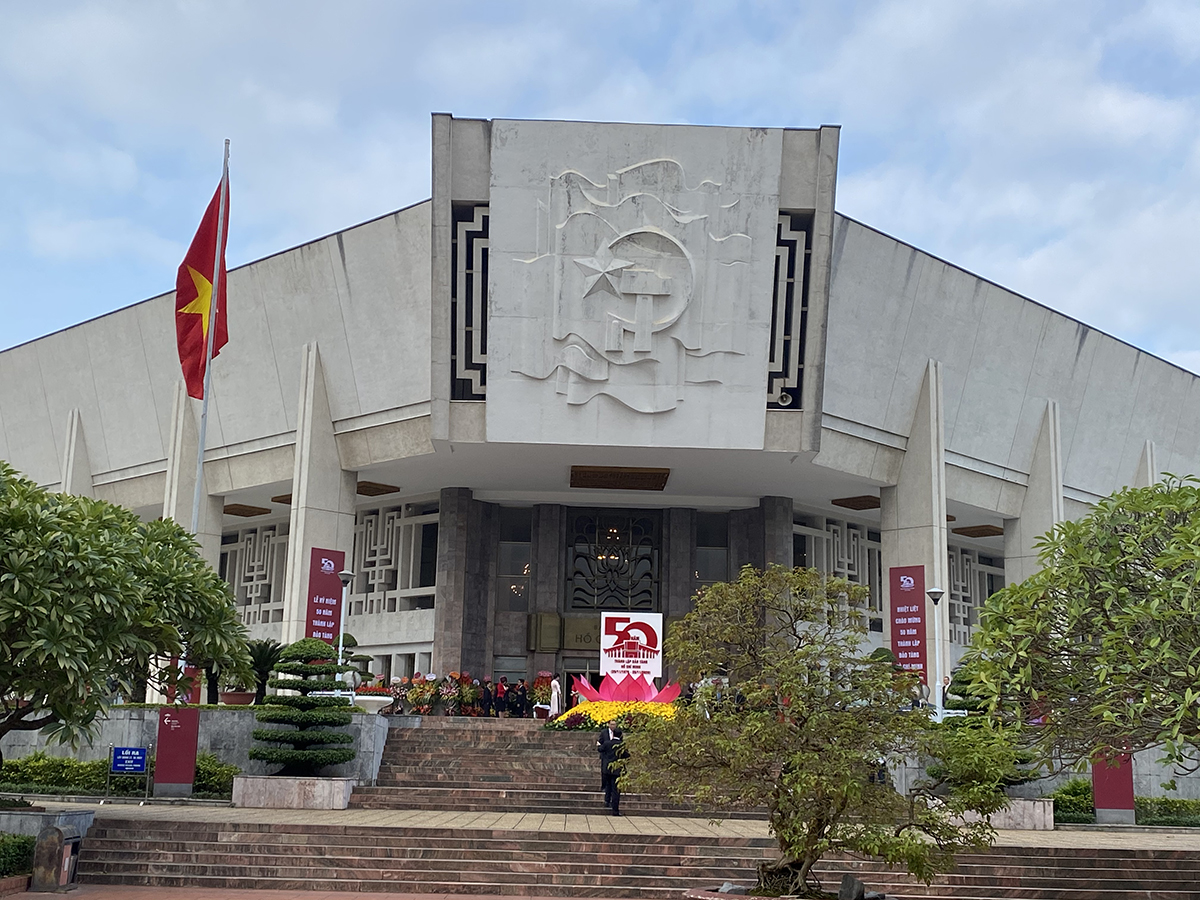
x=1073, y=803
x=16, y=854
x=1167, y=811
x=42, y=774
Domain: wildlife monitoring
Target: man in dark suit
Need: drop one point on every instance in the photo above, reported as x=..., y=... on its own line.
x=611, y=749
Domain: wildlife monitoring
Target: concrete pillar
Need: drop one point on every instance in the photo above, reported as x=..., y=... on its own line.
x=679, y=562
x=913, y=514
x=745, y=539
x=777, y=530
x=1147, y=470
x=323, y=494
x=547, y=575
x=1042, y=507
x=76, y=468
x=179, y=493
x=465, y=596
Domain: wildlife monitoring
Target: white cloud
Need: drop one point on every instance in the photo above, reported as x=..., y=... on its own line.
x=1049, y=147
x=55, y=237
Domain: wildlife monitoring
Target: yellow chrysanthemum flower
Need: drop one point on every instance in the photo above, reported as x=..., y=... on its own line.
x=601, y=711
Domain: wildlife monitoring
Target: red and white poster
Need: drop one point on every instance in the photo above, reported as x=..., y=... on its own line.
x=631, y=645
x=325, y=594
x=907, y=589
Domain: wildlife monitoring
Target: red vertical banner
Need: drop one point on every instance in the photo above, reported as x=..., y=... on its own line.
x=325, y=594
x=1112, y=789
x=907, y=592
x=175, y=751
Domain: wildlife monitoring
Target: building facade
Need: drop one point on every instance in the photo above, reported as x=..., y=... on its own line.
x=602, y=366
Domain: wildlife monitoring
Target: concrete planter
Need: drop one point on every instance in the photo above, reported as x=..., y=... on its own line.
x=31, y=822
x=274, y=792
x=372, y=703
x=1022, y=815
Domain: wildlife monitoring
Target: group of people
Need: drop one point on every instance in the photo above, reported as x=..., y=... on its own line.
x=504, y=700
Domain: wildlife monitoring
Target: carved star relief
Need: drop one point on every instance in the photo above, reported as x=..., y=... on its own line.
x=599, y=271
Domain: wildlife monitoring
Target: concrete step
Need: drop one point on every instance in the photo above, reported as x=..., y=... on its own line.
x=464, y=861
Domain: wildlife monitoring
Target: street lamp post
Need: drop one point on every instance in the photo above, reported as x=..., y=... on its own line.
x=935, y=683
x=346, y=577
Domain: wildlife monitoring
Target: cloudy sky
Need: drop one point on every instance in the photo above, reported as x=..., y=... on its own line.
x=1051, y=147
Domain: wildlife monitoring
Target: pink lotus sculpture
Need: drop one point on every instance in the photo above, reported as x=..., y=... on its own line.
x=627, y=689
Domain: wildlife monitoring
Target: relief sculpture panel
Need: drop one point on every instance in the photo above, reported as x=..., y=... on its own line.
x=633, y=305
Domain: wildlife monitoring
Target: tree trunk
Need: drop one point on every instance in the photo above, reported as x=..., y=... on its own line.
x=137, y=688
x=790, y=877
x=213, y=684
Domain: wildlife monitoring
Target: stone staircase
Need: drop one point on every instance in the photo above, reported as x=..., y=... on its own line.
x=497, y=765
x=234, y=856
x=346, y=858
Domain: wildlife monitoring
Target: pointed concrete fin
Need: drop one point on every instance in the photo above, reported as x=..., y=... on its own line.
x=1045, y=488
x=1042, y=507
x=76, y=467
x=1147, y=470
x=323, y=494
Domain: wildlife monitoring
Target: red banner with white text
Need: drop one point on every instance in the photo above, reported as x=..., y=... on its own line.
x=907, y=590
x=325, y=594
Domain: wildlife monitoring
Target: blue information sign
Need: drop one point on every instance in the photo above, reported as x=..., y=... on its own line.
x=129, y=760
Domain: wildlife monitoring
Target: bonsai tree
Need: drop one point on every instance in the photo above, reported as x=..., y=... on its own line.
x=307, y=668
x=264, y=656
x=790, y=714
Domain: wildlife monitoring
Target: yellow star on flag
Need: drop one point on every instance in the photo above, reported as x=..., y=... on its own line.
x=202, y=305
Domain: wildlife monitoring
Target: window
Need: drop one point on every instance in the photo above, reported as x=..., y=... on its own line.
x=513, y=559
x=613, y=559
x=394, y=559
x=712, y=548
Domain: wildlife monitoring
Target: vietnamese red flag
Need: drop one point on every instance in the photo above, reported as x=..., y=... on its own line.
x=193, y=296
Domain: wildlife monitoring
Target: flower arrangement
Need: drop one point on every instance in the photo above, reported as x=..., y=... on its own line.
x=539, y=692
x=374, y=690
x=593, y=714
x=449, y=692
x=469, y=695
x=421, y=694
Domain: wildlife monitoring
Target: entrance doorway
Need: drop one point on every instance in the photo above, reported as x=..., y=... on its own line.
x=584, y=668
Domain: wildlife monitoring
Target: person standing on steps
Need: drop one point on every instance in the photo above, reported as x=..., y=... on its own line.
x=555, y=697
x=516, y=700
x=611, y=748
x=485, y=698
x=501, y=701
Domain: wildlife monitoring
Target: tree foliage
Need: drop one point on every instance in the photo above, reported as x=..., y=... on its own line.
x=790, y=715
x=1101, y=648
x=307, y=668
x=89, y=596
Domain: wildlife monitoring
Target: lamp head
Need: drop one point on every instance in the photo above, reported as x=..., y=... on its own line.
x=346, y=576
x=935, y=594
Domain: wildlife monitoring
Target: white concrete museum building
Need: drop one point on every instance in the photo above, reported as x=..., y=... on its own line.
x=604, y=365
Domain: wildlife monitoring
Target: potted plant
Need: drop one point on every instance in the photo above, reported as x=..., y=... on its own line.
x=373, y=697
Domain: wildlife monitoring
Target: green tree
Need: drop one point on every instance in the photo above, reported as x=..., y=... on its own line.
x=90, y=596
x=308, y=668
x=264, y=655
x=791, y=716
x=1101, y=648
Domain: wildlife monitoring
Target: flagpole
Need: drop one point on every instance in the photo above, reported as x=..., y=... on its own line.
x=213, y=307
